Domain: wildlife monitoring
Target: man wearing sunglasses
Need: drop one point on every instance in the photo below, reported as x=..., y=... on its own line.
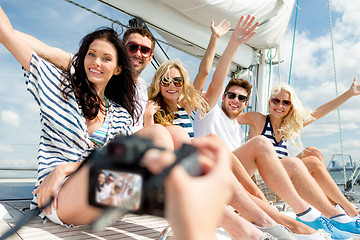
x=140, y=44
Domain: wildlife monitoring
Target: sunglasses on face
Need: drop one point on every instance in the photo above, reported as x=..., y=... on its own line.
x=232, y=95
x=178, y=81
x=277, y=101
x=134, y=47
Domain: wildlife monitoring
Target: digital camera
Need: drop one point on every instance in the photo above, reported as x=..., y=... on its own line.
x=133, y=187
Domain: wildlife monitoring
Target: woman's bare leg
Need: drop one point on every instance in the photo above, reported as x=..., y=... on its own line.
x=239, y=171
x=247, y=208
x=307, y=187
x=258, y=153
x=239, y=228
x=314, y=162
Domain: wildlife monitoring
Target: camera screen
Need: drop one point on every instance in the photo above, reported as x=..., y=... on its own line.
x=118, y=189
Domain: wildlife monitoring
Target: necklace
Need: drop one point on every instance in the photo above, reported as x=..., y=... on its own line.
x=106, y=103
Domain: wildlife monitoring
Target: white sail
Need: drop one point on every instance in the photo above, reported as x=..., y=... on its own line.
x=185, y=23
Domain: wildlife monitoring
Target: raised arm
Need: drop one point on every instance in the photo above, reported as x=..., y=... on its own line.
x=326, y=108
x=243, y=32
x=206, y=62
x=16, y=46
x=56, y=56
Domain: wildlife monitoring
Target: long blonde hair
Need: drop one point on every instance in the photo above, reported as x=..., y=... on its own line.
x=190, y=95
x=292, y=124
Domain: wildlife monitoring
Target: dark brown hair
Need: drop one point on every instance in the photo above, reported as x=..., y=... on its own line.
x=245, y=84
x=120, y=88
x=143, y=32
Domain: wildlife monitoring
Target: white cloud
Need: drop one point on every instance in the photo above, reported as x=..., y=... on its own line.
x=10, y=118
x=6, y=148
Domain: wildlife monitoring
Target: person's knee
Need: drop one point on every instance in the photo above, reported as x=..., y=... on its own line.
x=214, y=138
x=179, y=136
x=261, y=143
x=313, y=151
x=314, y=164
x=159, y=134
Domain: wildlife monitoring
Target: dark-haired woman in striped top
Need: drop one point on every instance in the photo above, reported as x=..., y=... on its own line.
x=81, y=108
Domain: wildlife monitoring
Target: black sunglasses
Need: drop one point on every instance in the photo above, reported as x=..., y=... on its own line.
x=277, y=101
x=178, y=81
x=134, y=47
x=232, y=95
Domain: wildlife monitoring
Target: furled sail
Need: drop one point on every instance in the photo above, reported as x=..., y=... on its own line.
x=185, y=24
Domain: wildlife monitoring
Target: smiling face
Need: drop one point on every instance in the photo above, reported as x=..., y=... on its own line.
x=171, y=93
x=101, y=178
x=233, y=107
x=138, y=61
x=101, y=63
x=279, y=109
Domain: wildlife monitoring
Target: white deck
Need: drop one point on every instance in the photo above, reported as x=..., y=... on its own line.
x=130, y=227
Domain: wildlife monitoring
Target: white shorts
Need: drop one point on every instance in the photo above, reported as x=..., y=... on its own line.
x=53, y=216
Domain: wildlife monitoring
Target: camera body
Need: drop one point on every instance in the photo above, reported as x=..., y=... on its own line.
x=134, y=188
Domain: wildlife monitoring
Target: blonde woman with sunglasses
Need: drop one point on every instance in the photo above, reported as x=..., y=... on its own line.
x=285, y=121
x=172, y=96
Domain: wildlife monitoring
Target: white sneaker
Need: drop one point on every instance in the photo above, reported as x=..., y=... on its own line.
x=338, y=207
x=267, y=236
x=356, y=217
x=320, y=235
x=280, y=232
x=221, y=234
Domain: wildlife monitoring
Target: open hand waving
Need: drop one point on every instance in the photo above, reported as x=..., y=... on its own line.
x=221, y=29
x=243, y=31
x=355, y=87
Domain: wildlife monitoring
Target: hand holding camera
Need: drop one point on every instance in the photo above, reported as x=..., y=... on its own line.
x=135, y=188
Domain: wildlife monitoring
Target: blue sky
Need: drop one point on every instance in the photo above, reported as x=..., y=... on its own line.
x=59, y=23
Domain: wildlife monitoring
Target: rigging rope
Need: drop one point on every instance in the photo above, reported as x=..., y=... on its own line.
x=279, y=62
x=96, y=13
x=336, y=88
x=270, y=67
x=123, y=25
x=293, y=43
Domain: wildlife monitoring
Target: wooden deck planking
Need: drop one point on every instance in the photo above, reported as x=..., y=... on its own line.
x=130, y=227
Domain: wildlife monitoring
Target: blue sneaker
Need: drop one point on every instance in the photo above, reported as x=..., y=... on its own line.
x=324, y=223
x=352, y=228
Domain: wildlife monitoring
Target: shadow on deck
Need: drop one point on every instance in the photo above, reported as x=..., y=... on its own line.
x=130, y=227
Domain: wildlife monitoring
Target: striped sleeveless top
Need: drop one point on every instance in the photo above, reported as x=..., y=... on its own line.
x=182, y=119
x=100, y=135
x=280, y=147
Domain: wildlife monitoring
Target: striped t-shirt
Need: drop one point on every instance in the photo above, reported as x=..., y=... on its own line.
x=64, y=137
x=280, y=147
x=182, y=119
